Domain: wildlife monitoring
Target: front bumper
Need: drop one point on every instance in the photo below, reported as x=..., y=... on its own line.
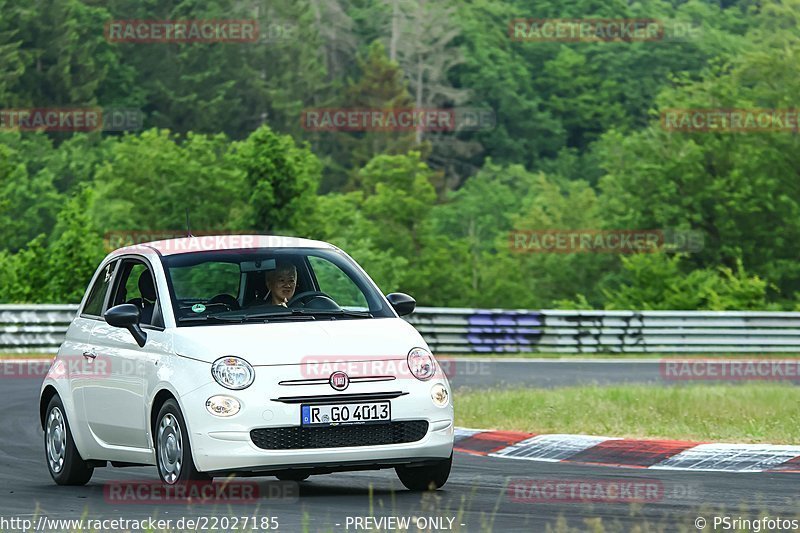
x=235, y=452
x=222, y=445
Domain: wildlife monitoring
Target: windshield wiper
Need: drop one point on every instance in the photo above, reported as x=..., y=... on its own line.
x=207, y=318
x=336, y=312
x=241, y=319
x=309, y=314
x=294, y=314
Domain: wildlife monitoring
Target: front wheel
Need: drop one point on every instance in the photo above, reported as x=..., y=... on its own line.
x=65, y=464
x=419, y=478
x=173, y=451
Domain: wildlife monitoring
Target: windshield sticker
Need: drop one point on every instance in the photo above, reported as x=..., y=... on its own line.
x=198, y=308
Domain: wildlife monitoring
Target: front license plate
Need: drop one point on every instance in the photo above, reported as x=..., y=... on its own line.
x=350, y=413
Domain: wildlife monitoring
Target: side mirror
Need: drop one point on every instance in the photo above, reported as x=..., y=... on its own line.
x=402, y=303
x=126, y=316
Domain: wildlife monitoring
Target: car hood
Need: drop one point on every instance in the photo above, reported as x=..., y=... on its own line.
x=290, y=342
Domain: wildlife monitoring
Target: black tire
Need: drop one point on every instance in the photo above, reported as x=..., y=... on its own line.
x=420, y=478
x=292, y=476
x=170, y=451
x=65, y=464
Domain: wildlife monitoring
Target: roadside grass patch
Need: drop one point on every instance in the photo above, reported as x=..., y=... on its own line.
x=735, y=413
x=26, y=356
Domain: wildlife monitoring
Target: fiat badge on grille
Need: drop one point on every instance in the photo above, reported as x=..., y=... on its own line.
x=339, y=380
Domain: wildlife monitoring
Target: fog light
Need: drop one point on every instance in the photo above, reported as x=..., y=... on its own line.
x=439, y=395
x=223, y=406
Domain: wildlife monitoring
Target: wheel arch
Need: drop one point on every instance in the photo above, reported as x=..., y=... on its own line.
x=159, y=400
x=44, y=400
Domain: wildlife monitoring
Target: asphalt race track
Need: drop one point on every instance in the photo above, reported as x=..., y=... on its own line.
x=476, y=497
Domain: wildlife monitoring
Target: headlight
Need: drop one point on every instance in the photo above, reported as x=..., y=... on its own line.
x=421, y=364
x=233, y=373
x=223, y=406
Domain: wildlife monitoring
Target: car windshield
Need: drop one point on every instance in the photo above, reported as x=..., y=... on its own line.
x=269, y=285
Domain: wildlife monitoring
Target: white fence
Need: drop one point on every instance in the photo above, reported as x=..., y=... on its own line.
x=41, y=328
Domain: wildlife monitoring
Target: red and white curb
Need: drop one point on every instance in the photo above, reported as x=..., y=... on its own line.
x=630, y=453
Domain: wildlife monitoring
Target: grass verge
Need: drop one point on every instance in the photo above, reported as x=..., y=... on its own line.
x=746, y=413
x=26, y=356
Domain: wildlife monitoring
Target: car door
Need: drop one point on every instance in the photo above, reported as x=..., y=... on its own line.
x=115, y=402
x=76, y=353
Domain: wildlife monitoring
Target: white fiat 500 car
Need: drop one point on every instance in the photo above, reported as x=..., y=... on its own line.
x=211, y=356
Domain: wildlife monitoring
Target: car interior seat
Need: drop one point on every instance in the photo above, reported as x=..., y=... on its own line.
x=147, y=302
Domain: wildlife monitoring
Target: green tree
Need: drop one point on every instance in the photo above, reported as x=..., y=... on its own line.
x=737, y=189
x=69, y=61
x=23, y=275
x=12, y=60
x=28, y=199
x=469, y=232
x=657, y=281
x=380, y=86
x=150, y=179
x=555, y=204
x=76, y=250
x=280, y=181
x=500, y=78
x=399, y=196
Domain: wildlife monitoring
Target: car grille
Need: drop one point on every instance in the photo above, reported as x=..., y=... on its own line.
x=297, y=437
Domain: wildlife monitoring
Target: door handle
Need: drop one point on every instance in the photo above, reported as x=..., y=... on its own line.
x=90, y=355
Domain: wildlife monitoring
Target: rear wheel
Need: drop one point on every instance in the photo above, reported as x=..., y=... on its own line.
x=173, y=451
x=419, y=478
x=65, y=464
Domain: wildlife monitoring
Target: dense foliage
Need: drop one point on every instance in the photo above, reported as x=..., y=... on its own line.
x=577, y=144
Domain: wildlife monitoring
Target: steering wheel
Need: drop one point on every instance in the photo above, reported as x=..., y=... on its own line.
x=227, y=300
x=305, y=297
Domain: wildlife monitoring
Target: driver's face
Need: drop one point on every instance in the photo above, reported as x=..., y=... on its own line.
x=282, y=285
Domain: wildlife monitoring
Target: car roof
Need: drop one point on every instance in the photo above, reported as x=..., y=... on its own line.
x=203, y=243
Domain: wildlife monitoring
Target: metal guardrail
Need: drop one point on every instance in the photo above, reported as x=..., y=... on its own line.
x=41, y=328
x=558, y=331
x=34, y=328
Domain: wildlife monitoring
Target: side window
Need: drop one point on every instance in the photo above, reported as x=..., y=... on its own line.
x=132, y=291
x=338, y=285
x=97, y=294
x=135, y=285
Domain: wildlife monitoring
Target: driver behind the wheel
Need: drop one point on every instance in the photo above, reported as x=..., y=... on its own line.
x=281, y=283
